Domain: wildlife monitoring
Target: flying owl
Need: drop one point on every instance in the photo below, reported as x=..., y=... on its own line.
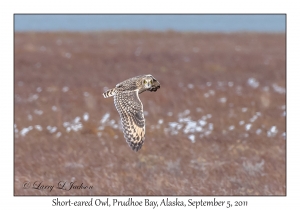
x=130, y=107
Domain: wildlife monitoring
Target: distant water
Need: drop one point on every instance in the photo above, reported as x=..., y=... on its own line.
x=204, y=23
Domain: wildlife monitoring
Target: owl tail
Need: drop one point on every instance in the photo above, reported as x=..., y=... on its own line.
x=109, y=93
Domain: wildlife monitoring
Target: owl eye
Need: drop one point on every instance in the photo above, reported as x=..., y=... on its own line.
x=151, y=81
x=144, y=81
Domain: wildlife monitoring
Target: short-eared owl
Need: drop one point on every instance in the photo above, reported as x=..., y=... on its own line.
x=130, y=107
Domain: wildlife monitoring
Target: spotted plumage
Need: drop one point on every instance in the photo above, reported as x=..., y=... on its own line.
x=130, y=107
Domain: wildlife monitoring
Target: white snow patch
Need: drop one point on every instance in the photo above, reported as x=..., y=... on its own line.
x=33, y=97
x=190, y=86
x=192, y=138
x=190, y=127
x=58, y=134
x=253, y=82
x=54, y=108
x=202, y=122
x=169, y=114
x=211, y=92
x=173, y=124
x=51, y=129
x=278, y=89
x=65, y=89
x=77, y=119
x=272, y=132
x=38, y=127
x=248, y=126
x=24, y=131
x=105, y=118
x=75, y=125
x=85, y=116
x=244, y=109
x=258, y=131
x=38, y=112
x=223, y=100
x=253, y=118
x=199, y=129
x=231, y=127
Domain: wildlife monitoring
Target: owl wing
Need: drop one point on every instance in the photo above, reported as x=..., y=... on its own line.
x=130, y=109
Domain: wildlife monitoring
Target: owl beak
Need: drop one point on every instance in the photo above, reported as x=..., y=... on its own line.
x=155, y=86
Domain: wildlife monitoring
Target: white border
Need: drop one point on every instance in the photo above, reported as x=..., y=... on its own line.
x=7, y=11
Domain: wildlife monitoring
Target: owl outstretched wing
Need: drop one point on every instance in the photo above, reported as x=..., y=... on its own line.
x=130, y=109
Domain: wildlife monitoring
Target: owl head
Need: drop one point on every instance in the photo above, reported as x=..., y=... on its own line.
x=150, y=83
x=147, y=81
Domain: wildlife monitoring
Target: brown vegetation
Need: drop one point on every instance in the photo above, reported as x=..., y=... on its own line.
x=230, y=86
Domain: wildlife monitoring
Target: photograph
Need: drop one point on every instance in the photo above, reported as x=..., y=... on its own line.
x=149, y=105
